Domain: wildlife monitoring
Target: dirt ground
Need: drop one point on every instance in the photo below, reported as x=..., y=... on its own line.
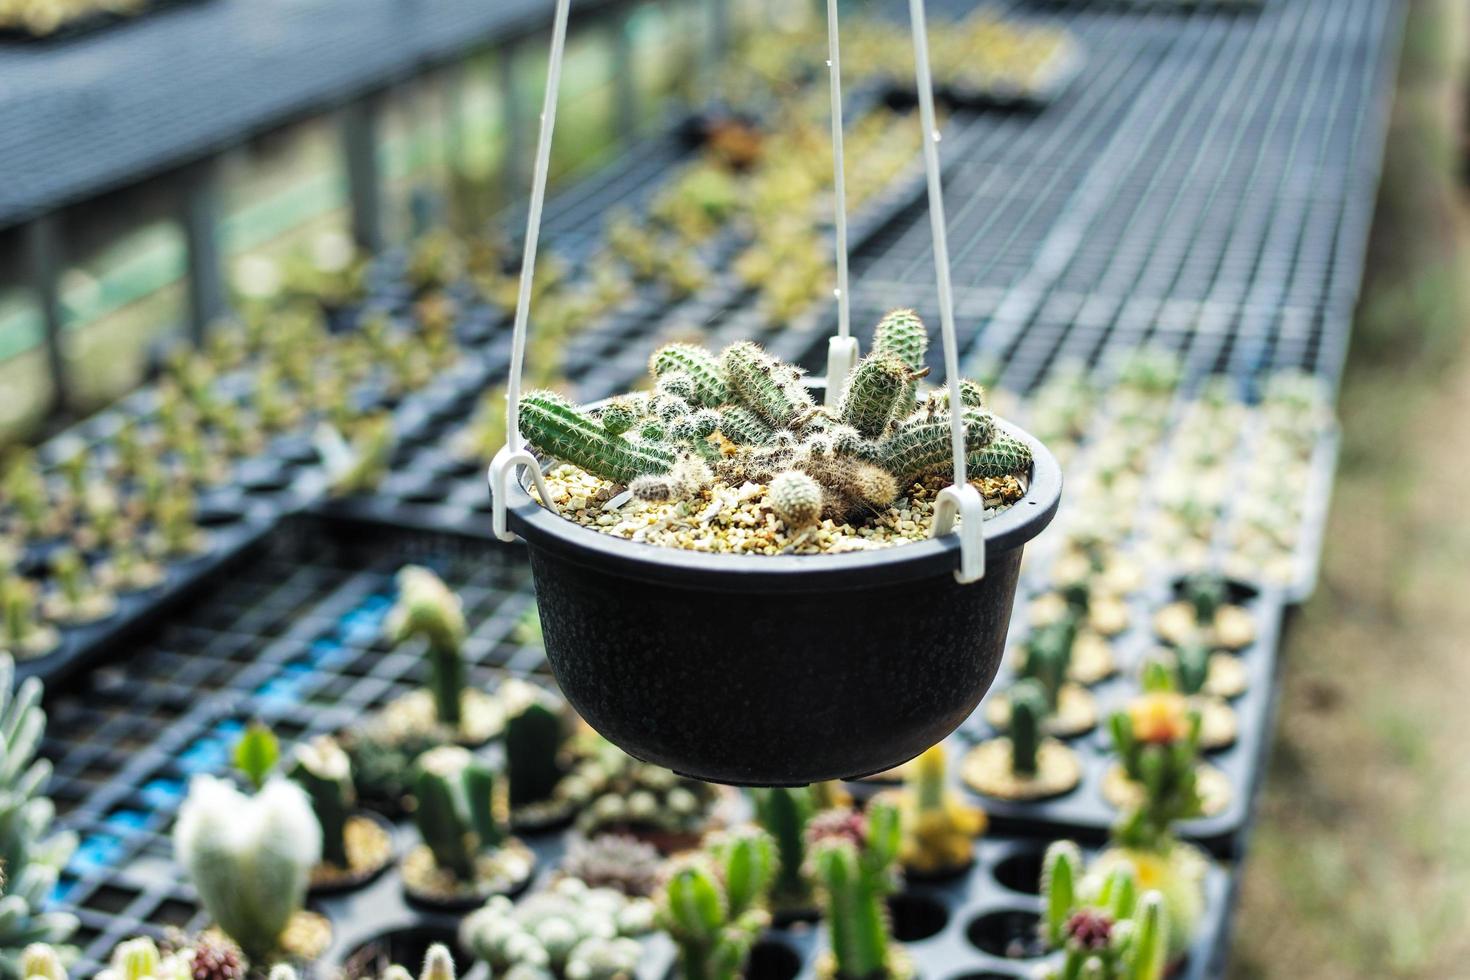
x=1361, y=864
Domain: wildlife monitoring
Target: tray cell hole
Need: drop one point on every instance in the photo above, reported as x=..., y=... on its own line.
x=173, y=912
x=410, y=945
x=110, y=899
x=772, y=960
x=1021, y=872
x=916, y=916
x=1011, y=934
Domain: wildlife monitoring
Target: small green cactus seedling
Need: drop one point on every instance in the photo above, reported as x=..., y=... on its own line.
x=854, y=861
x=249, y=857
x=25, y=636
x=939, y=828
x=537, y=727
x=568, y=932
x=427, y=609
x=714, y=904
x=31, y=854
x=1105, y=930
x=321, y=768
x=1026, y=765
x=460, y=812
x=78, y=598
x=783, y=812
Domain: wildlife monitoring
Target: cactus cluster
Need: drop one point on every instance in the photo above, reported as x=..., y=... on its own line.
x=615, y=861
x=1156, y=741
x=628, y=796
x=939, y=827
x=569, y=931
x=714, y=903
x=744, y=416
x=1104, y=928
x=461, y=813
x=854, y=862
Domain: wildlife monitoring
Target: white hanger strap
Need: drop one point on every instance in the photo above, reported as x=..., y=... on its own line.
x=842, y=350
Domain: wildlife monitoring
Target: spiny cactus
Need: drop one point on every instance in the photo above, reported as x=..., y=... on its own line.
x=31, y=858
x=748, y=417
x=557, y=428
x=536, y=729
x=457, y=812
x=631, y=796
x=853, y=863
x=939, y=828
x=708, y=381
x=216, y=958
x=321, y=768
x=713, y=904
x=1106, y=931
x=783, y=812
x=796, y=498
x=1156, y=741
x=1028, y=715
x=567, y=932
x=249, y=858
x=426, y=607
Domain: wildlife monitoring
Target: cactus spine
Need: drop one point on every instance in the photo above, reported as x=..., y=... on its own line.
x=713, y=904
x=320, y=767
x=426, y=607
x=855, y=878
x=560, y=430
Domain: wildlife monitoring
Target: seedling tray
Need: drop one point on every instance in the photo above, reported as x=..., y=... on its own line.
x=1083, y=814
x=983, y=923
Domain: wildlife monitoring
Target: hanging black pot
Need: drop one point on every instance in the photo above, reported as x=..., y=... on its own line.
x=776, y=670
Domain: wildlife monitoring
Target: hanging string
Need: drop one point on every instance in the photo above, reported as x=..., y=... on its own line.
x=839, y=178
x=533, y=225
x=941, y=237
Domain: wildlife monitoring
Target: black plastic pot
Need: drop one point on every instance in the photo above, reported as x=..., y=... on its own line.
x=779, y=670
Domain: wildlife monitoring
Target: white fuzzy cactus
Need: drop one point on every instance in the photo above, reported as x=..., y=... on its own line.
x=250, y=858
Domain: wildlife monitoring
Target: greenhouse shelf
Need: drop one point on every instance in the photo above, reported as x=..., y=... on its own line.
x=295, y=640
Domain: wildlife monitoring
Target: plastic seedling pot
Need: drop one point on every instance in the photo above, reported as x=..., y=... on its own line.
x=779, y=670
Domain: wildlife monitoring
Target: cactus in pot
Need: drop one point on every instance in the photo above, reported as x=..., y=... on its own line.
x=355, y=844
x=939, y=828
x=1047, y=661
x=428, y=612
x=784, y=812
x=1104, y=928
x=537, y=728
x=1025, y=764
x=467, y=852
x=745, y=417
x=25, y=635
x=569, y=931
x=854, y=861
x=78, y=598
x=714, y=903
x=249, y=858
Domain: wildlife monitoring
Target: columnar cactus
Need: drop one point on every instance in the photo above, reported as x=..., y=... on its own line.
x=853, y=860
x=939, y=828
x=874, y=393
x=773, y=390
x=536, y=729
x=457, y=814
x=30, y=856
x=902, y=335
x=713, y=904
x=709, y=387
x=321, y=768
x=559, y=429
x=922, y=445
x=249, y=858
x=1028, y=715
x=1157, y=743
x=783, y=812
x=1049, y=656
x=426, y=607
x=1105, y=929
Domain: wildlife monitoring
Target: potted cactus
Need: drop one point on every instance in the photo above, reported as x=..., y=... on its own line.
x=1103, y=927
x=467, y=854
x=1204, y=612
x=1046, y=658
x=538, y=729
x=570, y=931
x=784, y=812
x=356, y=844
x=1025, y=764
x=26, y=636
x=1188, y=670
x=714, y=904
x=708, y=529
x=617, y=861
x=854, y=862
x=648, y=802
x=939, y=828
x=250, y=856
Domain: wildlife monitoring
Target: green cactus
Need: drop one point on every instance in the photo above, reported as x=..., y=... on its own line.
x=708, y=380
x=972, y=395
x=772, y=390
x=1206, y=594
x=427, y=608
x=783, y=813
x=1003, y=456
x=322, y=769
x=31, y=856
x=854, y=868
x=458, y=814
x=1109, y=933
x=796, y=498
x=1156, y=741
x=922, y=446
x=1187, y=674
x=875, y=393
x=617, y=417
x=1049, y=656
x=902, y=334
x=1028, y=715
x=743, y=427
x=558, y=429
x=536, y=728
x=713, y=904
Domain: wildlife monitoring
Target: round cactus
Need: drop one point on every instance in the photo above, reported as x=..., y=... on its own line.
x=796, y=498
